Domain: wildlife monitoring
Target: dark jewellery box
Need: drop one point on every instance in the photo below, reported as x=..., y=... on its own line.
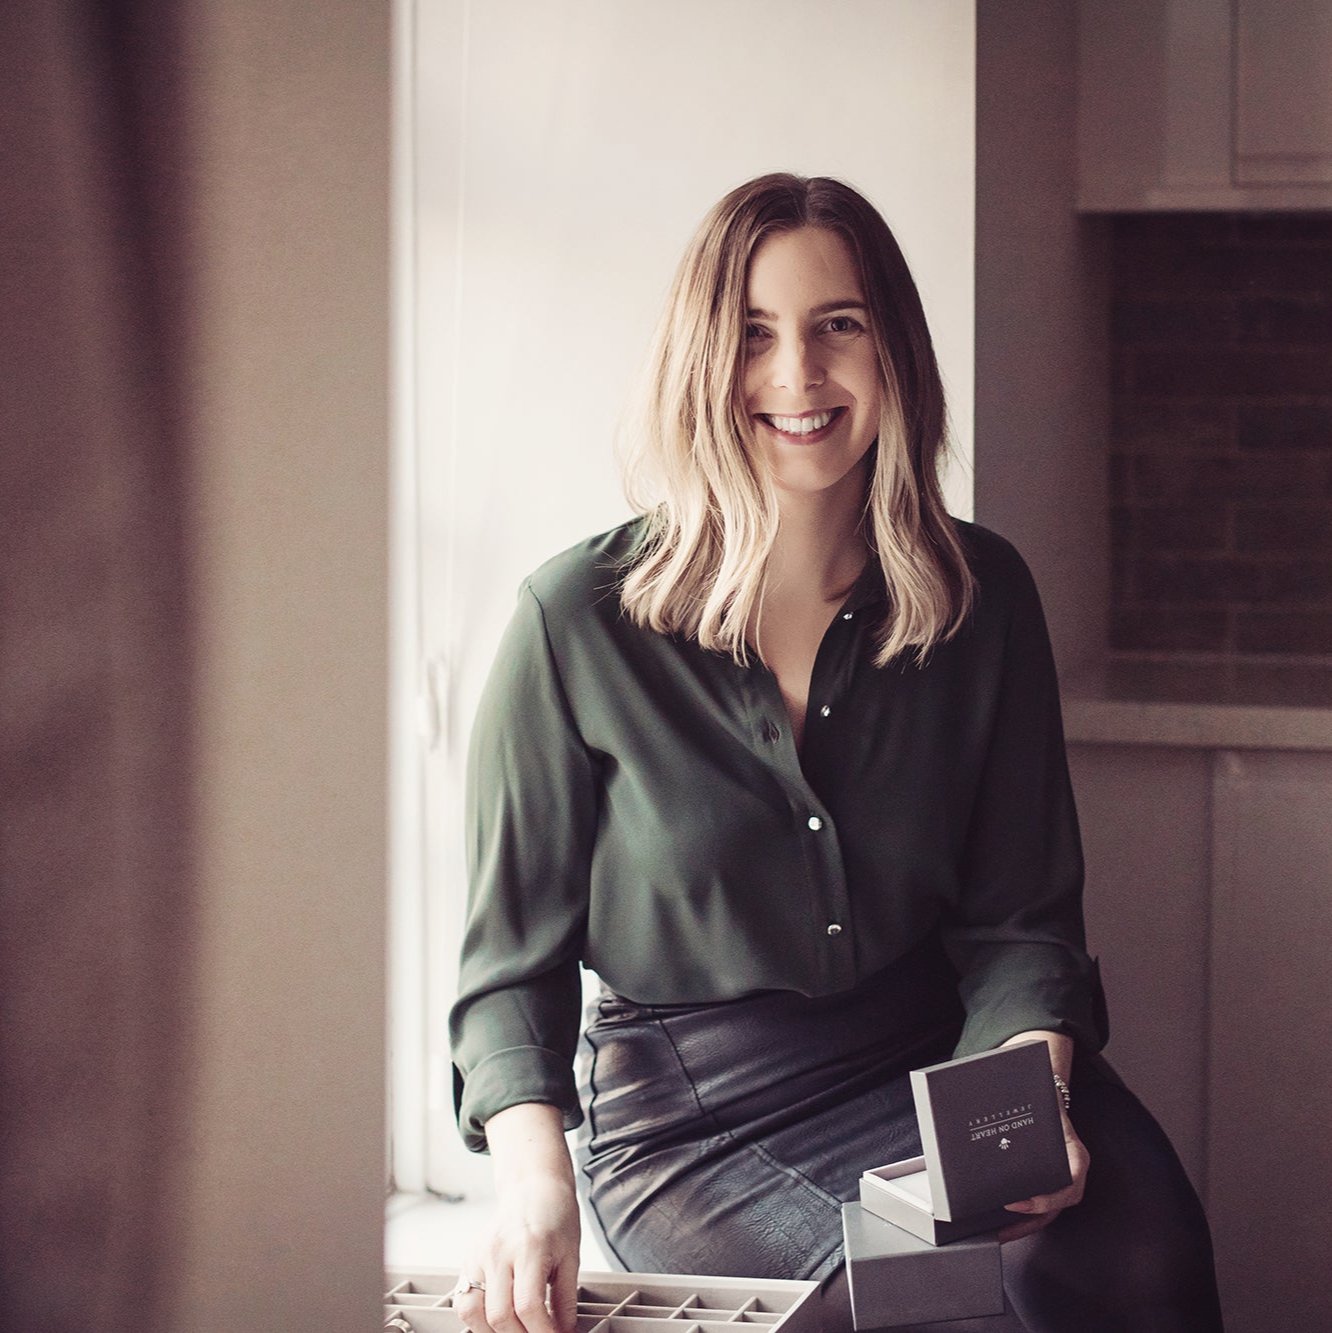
x=916, y=1244
x=991, y=1133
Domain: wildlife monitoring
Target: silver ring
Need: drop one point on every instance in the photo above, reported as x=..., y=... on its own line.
x=465, y=1286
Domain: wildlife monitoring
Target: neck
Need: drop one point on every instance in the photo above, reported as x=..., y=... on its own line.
x=820, y=546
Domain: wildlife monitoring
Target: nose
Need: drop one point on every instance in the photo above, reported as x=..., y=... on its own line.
x=797, y=365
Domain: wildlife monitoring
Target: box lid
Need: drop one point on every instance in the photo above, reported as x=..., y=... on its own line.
x=990, y=1129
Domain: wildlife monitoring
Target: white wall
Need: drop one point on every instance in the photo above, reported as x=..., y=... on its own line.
x=565, y=151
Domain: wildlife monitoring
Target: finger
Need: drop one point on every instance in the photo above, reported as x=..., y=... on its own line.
x=529, y=1310
x=499, y=1300
x=1027, y=1228
x=564, y=1295
x=470, y=1308
x=1047, y=1203
x=1039, y=1203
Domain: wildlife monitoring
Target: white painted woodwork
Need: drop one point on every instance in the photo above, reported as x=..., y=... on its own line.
x=1204, y=104
x=1283, y=92
x=1209, y=901
x=1269, y=1155
x=1147, y=842
x=1153, y=103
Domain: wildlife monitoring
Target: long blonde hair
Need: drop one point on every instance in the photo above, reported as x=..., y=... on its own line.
x=711, y=507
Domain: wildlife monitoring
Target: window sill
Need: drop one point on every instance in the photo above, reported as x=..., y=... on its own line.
x=427, y=1232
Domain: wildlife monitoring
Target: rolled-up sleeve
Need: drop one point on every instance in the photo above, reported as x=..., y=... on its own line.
x=1016, y=933
x=531, y=822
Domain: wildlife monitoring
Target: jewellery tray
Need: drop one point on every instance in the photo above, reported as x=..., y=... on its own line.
x=628, y=1303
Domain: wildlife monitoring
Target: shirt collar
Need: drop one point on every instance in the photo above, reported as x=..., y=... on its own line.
x=868, y=589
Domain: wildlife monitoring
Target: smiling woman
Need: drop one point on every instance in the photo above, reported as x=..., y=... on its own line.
x=787, y=917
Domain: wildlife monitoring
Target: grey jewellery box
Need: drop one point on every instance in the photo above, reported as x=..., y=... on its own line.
x=897, y=1278
x=918, y=1245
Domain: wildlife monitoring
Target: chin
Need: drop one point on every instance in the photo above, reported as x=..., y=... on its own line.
x=812, y=479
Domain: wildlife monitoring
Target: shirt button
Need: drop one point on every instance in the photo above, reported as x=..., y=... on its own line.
x=815, y=823
x=825, y=710
x=834, y=929
x=771, y=731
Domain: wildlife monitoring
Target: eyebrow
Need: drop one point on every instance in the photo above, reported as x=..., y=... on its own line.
x=826, y=308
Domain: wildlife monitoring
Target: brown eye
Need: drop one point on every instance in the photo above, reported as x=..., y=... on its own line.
x=844, y=324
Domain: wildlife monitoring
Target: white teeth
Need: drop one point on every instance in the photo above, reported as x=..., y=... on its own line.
x=801, y=425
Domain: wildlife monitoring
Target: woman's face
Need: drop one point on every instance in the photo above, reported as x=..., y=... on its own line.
x=811, y=376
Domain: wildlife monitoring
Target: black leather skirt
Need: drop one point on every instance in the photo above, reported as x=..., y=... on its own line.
x=724, y=1138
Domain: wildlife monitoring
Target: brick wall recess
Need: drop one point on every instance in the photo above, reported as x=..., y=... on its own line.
x=1221, y=434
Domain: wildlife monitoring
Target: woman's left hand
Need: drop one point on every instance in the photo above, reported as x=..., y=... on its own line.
x=1041, y=1210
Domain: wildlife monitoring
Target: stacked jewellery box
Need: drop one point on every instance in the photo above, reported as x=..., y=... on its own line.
x=920, y=1244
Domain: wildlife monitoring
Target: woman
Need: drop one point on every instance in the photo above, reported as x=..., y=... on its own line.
x=781, y=761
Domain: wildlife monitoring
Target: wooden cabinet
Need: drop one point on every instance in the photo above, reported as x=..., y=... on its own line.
x=1204, y=104
x=1209, y=900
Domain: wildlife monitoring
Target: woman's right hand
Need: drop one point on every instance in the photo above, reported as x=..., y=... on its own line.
x=528, y=1262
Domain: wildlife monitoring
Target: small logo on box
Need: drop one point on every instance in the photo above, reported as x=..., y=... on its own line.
x=1004, y=1143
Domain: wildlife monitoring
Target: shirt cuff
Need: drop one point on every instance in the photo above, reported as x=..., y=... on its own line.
x=1073, y=1003
x=507, y=1078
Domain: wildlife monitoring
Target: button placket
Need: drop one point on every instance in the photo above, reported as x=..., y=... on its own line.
x=824, y=868
x=831, y=906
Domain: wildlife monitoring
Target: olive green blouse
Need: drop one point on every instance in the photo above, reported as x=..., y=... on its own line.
x=637, y=803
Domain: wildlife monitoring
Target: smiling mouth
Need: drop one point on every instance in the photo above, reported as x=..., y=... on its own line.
x=806, y=427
